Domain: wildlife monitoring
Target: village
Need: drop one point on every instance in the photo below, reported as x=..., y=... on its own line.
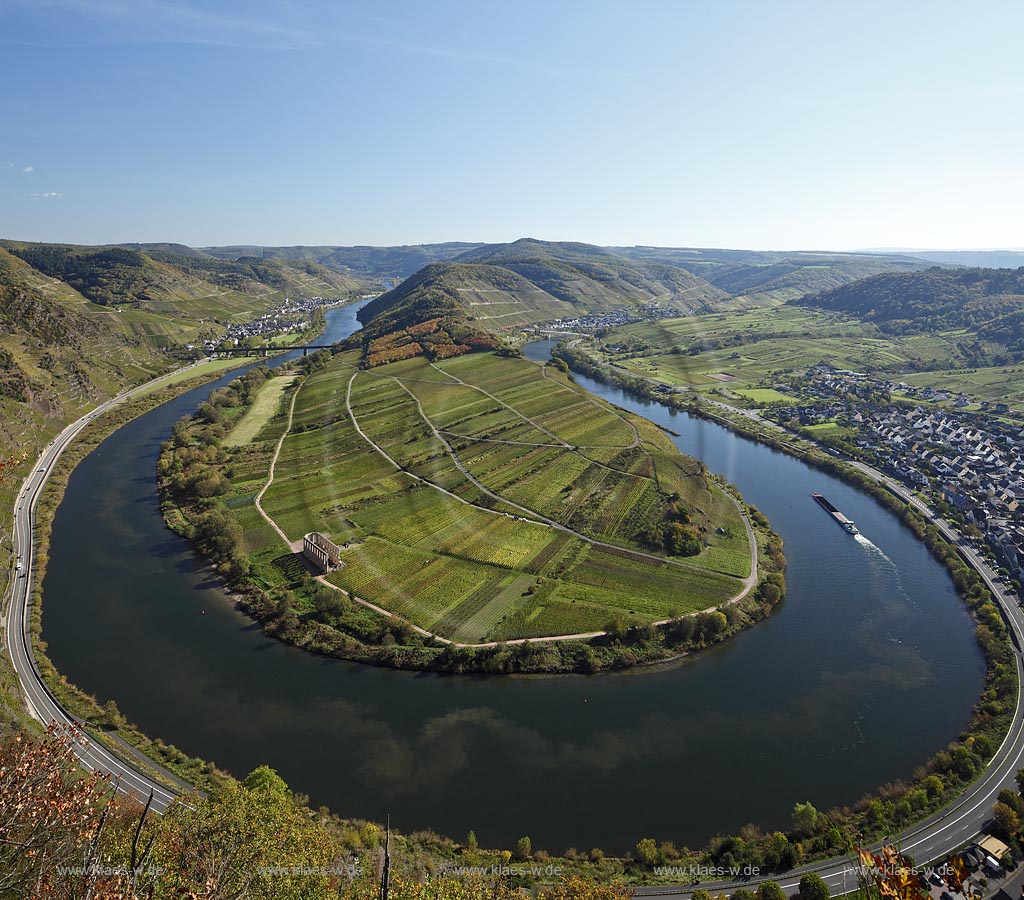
x=601, y=323
x=290, y=317
x=969, y=461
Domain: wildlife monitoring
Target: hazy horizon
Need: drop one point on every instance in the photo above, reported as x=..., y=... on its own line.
x=735, y=125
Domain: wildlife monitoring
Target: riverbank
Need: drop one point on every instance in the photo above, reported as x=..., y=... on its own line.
x=108, y=725
x=120, y=579
x=993, y=713
x=195, y=469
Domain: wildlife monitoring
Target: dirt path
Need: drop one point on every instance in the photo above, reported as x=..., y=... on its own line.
x=294, y=546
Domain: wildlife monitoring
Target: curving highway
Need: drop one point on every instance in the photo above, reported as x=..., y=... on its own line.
x=962, y=819
x=40, y=702
x=945, y=831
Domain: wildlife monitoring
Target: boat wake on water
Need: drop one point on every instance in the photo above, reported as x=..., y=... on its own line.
x=887, y=567
x=872, y=547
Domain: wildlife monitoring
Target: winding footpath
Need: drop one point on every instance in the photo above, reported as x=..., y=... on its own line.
x=935, y=837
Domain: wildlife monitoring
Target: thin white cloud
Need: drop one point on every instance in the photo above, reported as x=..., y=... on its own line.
x=28, y=170
x=160, y=21
x=265, y=24
x=49, y=195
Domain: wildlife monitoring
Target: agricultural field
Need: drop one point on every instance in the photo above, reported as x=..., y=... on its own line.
x=737, y=356
x=997, y=384
x=485, y=498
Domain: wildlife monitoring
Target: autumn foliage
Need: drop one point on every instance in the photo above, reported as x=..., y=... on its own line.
x=437, y=338
x=65, y=835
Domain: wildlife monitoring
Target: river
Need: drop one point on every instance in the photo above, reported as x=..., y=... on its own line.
x=867, y=668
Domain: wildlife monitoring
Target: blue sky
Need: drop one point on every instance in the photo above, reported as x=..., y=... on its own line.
x=678, y=123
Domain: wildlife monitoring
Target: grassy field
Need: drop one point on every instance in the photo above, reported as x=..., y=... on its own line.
x=489, y=498
x=266, y=404
x=209, y=367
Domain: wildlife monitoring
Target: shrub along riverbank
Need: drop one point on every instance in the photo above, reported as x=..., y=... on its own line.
x=946, y=774
x=194, y=474
x=813, y=834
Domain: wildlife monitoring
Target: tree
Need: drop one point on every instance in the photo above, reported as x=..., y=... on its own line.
x=805, y=819
x=255, y=843
x=1007, y=819
x=49, y=815
x=647, y=852
x=813, y=888
x=1011, y=799
x=471, y=840
x=770, y=891
x=524, y=848
x=266, y=780
x=576, y=888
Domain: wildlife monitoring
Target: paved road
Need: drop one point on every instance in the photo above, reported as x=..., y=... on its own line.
x=959, y=822
x=943, y=832
x=40, y=702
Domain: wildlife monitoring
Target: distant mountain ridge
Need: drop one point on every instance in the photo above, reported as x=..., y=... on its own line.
x=985, y=259
x=503, y=286
x=753, y=275
x=769, y=275
x=387, y=263
x=169, y=277
x=988, y=302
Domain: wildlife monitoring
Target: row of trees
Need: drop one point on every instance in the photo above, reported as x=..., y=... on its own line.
x=193, y=472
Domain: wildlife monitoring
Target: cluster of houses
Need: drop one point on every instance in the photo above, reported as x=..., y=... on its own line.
x=292, y=315
x=615, y=318
x=978, y=471
x=975, y=463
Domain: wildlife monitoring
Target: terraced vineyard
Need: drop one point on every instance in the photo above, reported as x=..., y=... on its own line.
x=488, y=498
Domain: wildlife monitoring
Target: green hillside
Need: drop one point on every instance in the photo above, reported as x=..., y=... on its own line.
x=758, y=276
x=79, y=324
x=594, y=278
x=988, y=304
x=493, y=296
x=376, y=263
x=498, y=288
x=168, y=294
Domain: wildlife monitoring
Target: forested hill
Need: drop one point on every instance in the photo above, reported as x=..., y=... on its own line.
x=498, y=287
x=172, y=273
x=377, y=263
x=583, y=274
x=78, y=324
x=753, y=275
x=988, y=302
x=769, y=275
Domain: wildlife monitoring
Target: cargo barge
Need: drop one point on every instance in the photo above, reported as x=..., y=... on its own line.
x=836, y=514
